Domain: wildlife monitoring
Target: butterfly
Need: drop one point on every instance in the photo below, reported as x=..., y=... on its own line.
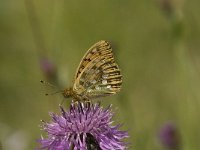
x=96, y=76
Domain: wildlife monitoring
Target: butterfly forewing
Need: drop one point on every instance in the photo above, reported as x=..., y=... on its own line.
x=97, y=75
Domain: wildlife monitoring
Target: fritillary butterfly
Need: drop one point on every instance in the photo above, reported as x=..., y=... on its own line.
x=97, y=74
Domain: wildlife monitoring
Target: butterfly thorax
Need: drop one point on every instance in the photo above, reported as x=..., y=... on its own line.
x=70, y=93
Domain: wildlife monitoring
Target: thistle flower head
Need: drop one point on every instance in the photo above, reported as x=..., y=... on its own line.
x=169, y=136
x=48, y=68
x=167, y=6
x=84, y=126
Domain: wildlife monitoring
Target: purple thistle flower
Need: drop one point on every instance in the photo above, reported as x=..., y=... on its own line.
x=84, y=126
x=169, y=136
x=167, y=6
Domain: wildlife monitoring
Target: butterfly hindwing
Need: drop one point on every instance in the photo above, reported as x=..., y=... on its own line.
x=98, y=75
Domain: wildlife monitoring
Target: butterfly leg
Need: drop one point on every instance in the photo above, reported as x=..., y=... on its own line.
x=85, y=99
x=75, y=102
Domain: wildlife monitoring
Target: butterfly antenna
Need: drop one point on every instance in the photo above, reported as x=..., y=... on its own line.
x=47, y=83
x=47, y=94
x=51, y=85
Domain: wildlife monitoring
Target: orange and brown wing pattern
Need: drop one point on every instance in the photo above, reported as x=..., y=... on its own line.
x=97, y=75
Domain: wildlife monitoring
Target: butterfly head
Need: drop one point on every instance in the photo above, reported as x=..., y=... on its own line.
x=68, y=92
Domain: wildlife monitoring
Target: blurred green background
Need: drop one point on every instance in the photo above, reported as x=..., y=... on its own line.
x=156, y=44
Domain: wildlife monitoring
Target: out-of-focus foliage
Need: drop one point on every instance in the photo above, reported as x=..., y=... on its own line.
x=156, y=44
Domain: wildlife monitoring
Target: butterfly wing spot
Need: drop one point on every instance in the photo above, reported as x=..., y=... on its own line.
x=94, y=50
x=104, y=82
x=105, y=76
x=93, y=81
x=108, y=86
x=97, y=71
